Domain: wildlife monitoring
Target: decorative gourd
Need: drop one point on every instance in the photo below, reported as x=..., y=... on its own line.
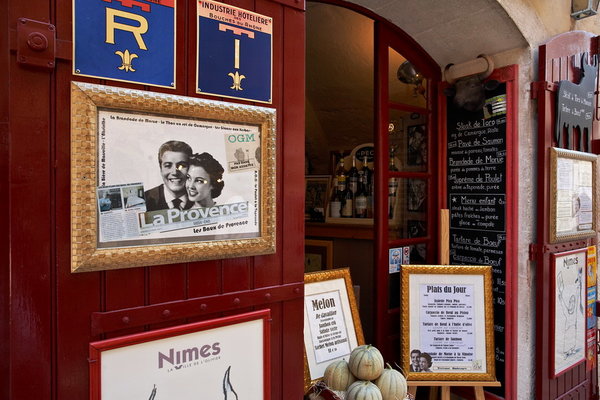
x=363, y=390
x=337, y=375
x=366, y=362
x=392, y=384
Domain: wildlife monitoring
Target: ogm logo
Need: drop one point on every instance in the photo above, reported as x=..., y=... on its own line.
x=125, y=40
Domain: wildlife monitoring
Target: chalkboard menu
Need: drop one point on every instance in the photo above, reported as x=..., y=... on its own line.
x=477, y=199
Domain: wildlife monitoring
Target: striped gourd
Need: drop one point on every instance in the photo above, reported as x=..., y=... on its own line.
x=363, y=390
x=337, y=375
x=392, y=384
x=366, y=362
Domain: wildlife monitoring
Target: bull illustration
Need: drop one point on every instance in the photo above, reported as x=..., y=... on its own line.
x=575, y=105
x=228, y=392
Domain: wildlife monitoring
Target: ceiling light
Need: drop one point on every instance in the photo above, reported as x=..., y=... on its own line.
x=584, y=8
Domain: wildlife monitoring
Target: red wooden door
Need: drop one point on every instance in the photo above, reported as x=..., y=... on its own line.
x=53, y=314
x=417, y=111
x=556, y=63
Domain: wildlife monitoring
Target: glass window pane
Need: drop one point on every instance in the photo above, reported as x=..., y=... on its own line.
x=408, y=141
x=406, y=85
x=407, y=208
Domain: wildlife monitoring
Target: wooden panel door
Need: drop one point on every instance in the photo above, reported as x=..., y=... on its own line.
x=558, y=59
x=50, y=315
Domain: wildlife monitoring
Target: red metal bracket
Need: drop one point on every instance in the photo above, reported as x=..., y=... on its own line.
x=36, y=43
x=110, y=321
x=540, y=86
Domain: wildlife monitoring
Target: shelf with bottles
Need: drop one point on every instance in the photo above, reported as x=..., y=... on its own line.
x=351, y=197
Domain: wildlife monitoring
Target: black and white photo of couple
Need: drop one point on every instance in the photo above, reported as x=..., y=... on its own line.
x=190, y=180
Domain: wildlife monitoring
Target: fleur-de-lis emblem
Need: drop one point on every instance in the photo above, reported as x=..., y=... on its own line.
x=237, y=80
x=126, y=59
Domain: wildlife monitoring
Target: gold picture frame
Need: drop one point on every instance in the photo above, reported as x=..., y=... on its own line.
x=333, y=292
x=447, y=313
x=573, y=195
x=116, y=134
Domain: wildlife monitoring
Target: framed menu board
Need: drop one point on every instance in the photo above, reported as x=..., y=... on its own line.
x=573, y=195
x=447, y=323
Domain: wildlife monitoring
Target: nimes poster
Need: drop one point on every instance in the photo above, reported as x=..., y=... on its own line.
x=130, y=172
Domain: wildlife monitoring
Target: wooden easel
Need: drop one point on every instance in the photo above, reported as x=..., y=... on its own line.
x=446, y=385
x=477, y=386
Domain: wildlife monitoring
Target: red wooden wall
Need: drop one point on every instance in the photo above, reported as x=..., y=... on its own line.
x=555, y=63
x=53, y=314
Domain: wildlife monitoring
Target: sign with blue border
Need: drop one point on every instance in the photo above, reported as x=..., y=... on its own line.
x=235, y=52
x=125, y=40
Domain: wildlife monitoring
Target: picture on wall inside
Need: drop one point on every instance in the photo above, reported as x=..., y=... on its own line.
x=417, y=145
x=417, y=194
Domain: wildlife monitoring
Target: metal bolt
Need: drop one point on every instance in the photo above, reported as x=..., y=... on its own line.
x=51, y=63
x=77, y=71
x=166, y=313
x=125, y=320
x=22, y=20
x=268, y=296
x=236, y=301
x=203, y=307
x=51, y=27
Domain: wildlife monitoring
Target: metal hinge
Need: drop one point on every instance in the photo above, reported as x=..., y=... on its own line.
x=36, y=43
x=534, y=250
x=540, y=86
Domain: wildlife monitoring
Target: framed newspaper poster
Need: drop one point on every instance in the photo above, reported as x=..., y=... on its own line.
x=568, y=310
x=161, y=179
x=332, y=327
x=573, y=200
x=447, y=323
x=222, y=358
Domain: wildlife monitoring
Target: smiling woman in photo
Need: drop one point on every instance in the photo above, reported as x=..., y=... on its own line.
x=204, y=180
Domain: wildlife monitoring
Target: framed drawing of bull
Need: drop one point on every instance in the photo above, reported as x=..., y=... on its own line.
x=221, y=359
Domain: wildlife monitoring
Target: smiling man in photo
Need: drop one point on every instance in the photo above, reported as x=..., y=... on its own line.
x=173, y=161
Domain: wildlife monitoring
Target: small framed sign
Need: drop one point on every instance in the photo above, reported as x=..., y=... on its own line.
x=162, y=179
x=573, y=191
x=235, y=52
x=447, y=323
x=222, y=358
x=332, y=327
x=126, y=41
x=568, y=310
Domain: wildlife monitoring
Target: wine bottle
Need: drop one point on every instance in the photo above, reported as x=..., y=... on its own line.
x=347, y=203
x=360, y=199
x=335, y=204
x=353, y=176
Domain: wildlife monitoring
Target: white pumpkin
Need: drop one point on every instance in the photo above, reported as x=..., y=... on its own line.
x=337, y=375
x=366, y=362
x=392, y=384
x=363, y=390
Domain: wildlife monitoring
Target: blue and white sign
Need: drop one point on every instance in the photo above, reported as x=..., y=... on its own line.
x=234, y=52
x=125, y=40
